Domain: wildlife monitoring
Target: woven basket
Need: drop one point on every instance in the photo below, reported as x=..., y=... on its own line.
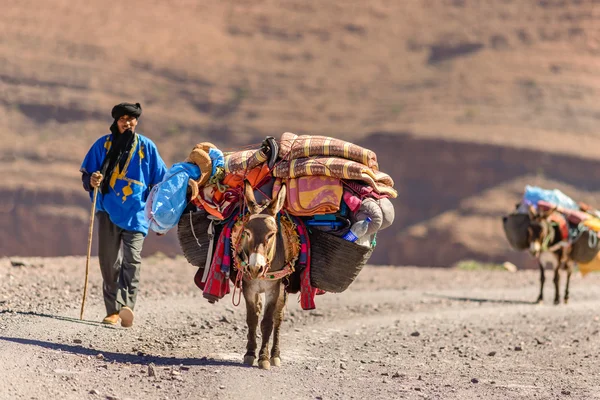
x=516, y=227
x=585, y=247
x=195, y=251
x=335, y=262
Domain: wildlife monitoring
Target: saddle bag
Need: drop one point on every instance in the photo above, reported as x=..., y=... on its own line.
x=516, y=227
x=584, y=245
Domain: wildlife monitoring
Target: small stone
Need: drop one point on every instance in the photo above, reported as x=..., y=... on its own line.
x=474, y=380
x=222, y=387
x=565, y=392
x=396, y=375
x=77, y=341
x=343, y=366
x=15, y=263
x=94, y=391
x=100, y=356
x=518, y=348
x=184, y=368
x=151, y=369
x=492, y=353
x=112, y=397
x=510, y=267
x=416, y=333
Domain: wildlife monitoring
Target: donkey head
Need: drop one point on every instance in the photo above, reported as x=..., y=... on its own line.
x=539, y=228
x=259, y=238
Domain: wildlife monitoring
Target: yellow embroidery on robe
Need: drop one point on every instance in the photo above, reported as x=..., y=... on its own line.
x=118, y=174
x=127, y=191
x=141, y=153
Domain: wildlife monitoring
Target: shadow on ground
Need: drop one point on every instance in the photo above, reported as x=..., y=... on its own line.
x=120, y=357
x=479, y=300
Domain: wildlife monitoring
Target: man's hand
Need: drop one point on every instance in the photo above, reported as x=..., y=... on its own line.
x=96, y=179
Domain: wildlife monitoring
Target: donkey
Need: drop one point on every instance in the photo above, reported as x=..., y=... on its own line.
x=261, y=256
x=549, y=244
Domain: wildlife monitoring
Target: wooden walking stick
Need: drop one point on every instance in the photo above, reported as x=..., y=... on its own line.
x=89, y=250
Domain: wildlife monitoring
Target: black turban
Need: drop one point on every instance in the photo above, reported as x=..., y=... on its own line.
x=134, y=110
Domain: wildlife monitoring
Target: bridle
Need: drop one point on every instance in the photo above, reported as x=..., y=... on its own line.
x=287, y=230
x=270, y=254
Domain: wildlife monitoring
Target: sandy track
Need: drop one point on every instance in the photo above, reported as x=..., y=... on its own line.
x=478, y=336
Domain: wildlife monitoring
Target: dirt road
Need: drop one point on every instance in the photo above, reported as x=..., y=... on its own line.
x=396, y=333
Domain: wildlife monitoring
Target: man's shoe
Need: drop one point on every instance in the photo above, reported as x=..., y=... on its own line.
x=126, y=315
x=111, y=319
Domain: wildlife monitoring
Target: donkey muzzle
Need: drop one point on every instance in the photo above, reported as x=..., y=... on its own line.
x=257, y=265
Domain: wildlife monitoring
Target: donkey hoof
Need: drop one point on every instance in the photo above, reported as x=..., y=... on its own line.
x=275, y=361
x=566, y=301
x=556, y=302
x=249, y=360
x=264, y=364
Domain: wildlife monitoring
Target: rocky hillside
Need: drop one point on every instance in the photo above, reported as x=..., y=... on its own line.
x=464, y=102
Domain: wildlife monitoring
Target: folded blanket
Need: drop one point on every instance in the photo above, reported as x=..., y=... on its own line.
x=310, y=195
x=340, y=168
x=245, y=160
x=217, y=283
x=293, y=146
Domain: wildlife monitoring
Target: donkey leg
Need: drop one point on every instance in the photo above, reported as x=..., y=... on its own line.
x=569, y=272
x=556, y=284
x=266, y=325
x=278, y=318
x=252, y=312
x=540, y=298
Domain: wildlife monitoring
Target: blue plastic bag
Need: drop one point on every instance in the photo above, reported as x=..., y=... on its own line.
x=217, y=158
x=167, y=200
x=533, y=194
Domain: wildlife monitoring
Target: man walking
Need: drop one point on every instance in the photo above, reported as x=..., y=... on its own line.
x=123, y=165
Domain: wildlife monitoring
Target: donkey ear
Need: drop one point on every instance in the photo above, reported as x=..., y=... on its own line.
x=253, y=207
x=277, y=205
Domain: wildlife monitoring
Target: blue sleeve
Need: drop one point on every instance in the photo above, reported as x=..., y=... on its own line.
x=157, y=165
x=92, y=162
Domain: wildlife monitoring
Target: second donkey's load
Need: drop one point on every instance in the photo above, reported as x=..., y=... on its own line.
x=579, y=223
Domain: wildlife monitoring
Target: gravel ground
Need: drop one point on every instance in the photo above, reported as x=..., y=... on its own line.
x=397, y=332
